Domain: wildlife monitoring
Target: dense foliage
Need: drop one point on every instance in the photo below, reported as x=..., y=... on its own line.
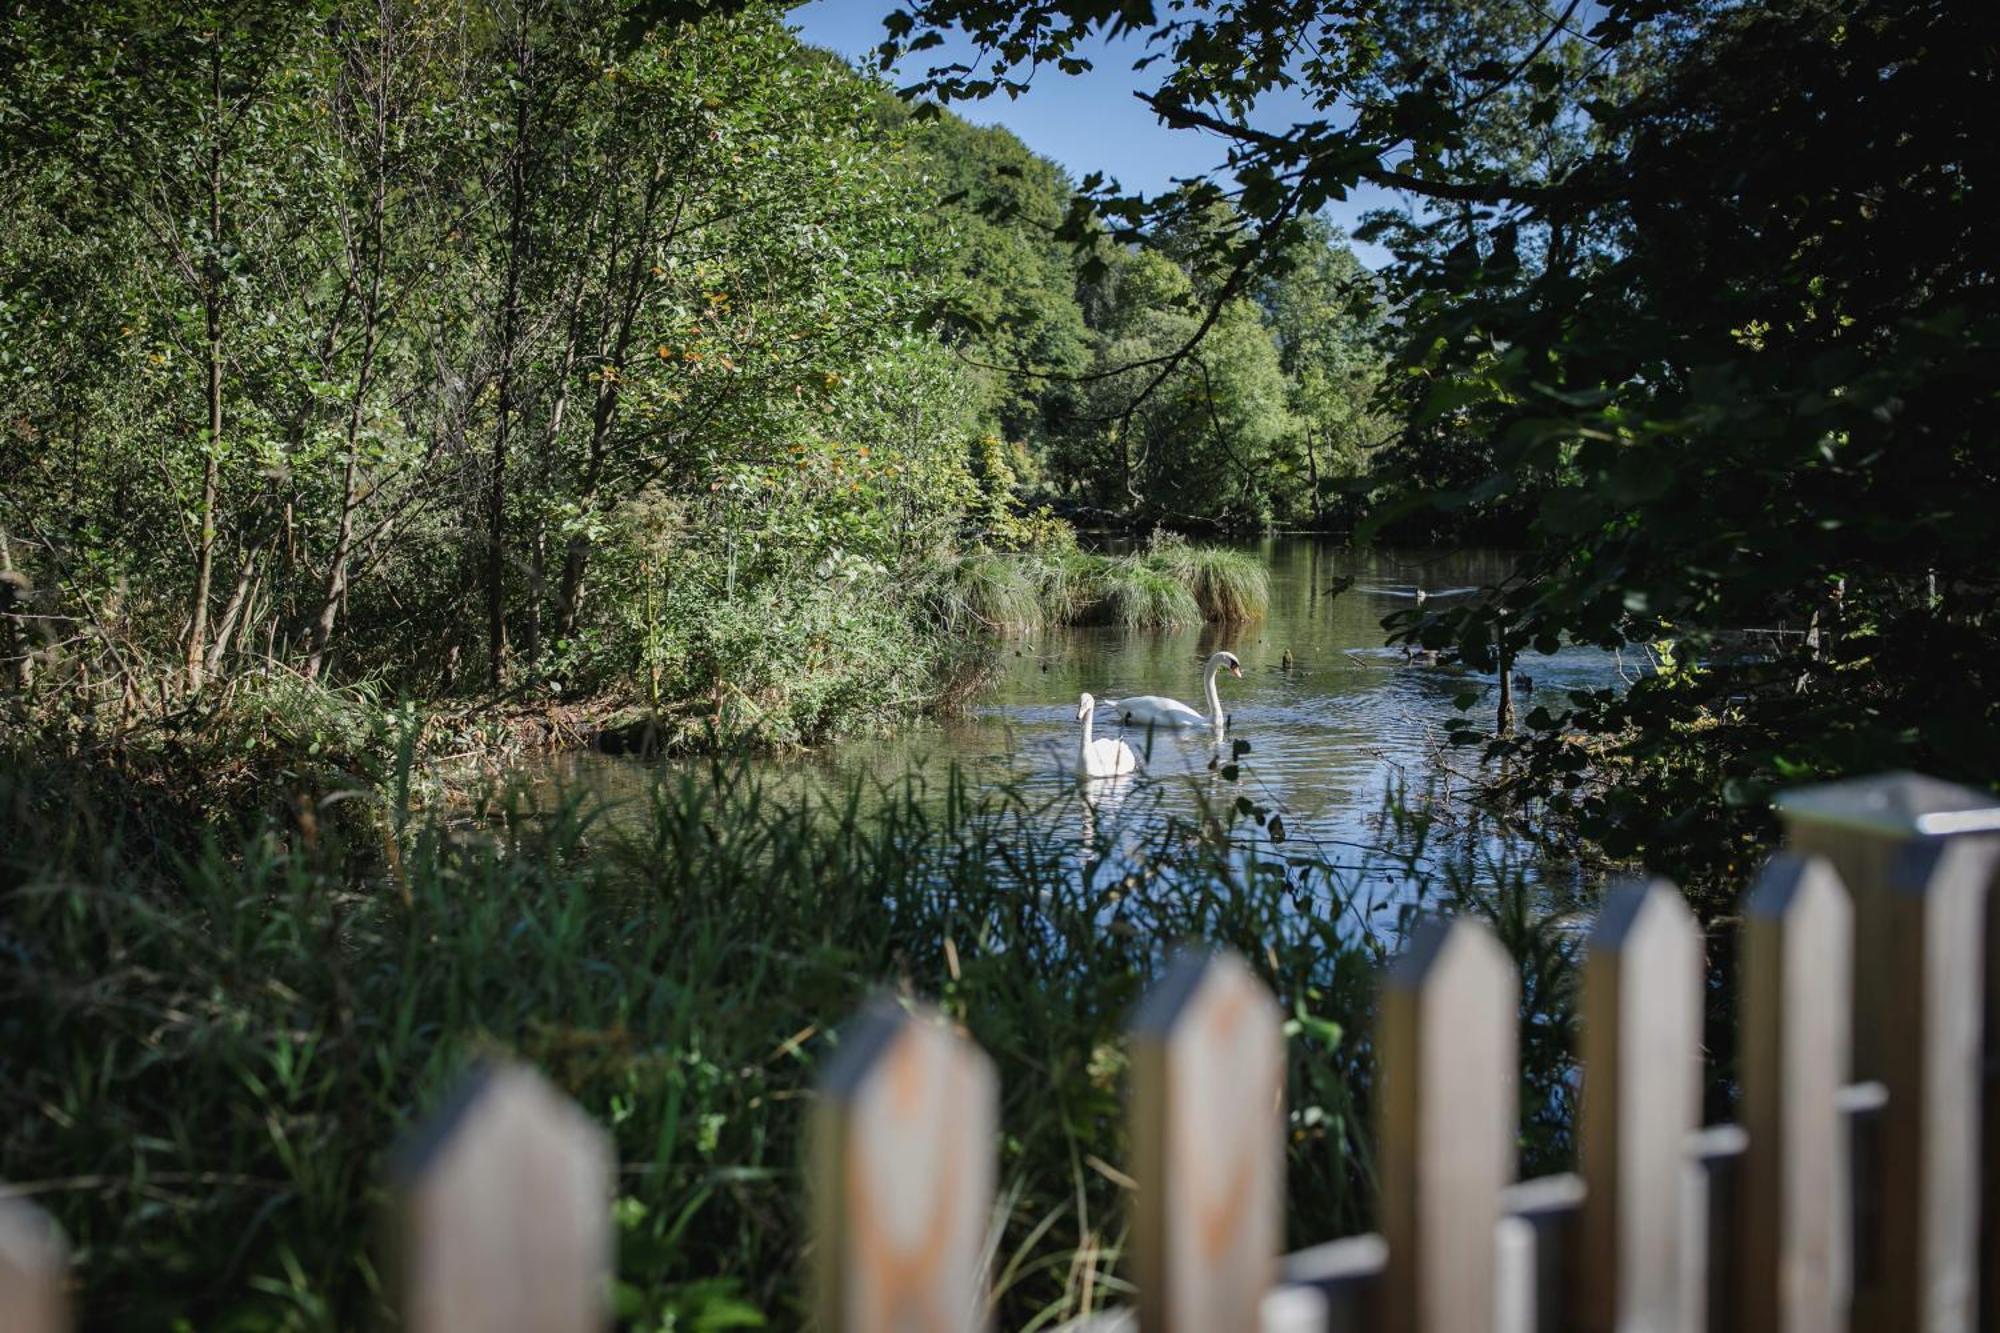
x=555, y=353
x=207, y=1095
x=575, y=347
x=440, y=343
x=1695, y=301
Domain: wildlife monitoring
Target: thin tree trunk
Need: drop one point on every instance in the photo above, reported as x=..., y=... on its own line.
x=211, y=471
x=333, y=595
x=1312, y=479
x=573, y=339
x=576, y=552
x=538, y=582
x=240, y=596
x=15, y=644
x=496, y=499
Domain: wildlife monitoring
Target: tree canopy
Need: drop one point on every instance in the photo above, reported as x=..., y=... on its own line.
x=1693, y=298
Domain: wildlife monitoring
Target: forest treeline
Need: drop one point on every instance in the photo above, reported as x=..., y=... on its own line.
x=586, y=348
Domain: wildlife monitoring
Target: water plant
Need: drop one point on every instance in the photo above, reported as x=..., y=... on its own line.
x=207, y=1053
x=1228, y=585
x=1134, y=593
x=1168, y=586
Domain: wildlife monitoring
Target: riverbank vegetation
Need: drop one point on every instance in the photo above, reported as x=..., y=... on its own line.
x=1691, y=307
x=575, y=353
x=384, y=385
x=1169, y=585
x=210, y=1053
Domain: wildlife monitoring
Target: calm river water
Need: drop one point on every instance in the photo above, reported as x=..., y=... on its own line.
x=1331, y=736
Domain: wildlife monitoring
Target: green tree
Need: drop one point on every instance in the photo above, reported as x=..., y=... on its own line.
x=1213, y=442
x=339, y=312
x=1011, y=283
x=1325, y=309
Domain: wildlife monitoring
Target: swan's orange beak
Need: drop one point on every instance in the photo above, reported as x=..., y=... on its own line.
x=1237, y=672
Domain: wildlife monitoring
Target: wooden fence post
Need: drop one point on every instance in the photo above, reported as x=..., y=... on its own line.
x=1347, y=1274
x=1918, y=856
x=1447, y=1126
x=1537, y=1251
x=1641, y=1101
x=903, y=1176
x=34, y=1271
x=504, y=1211
x=1711, y=1249
x=1798, y=932
x=1208, y=1142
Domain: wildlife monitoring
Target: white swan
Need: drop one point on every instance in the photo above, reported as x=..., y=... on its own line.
x=1106, y=758
x=1156, y=710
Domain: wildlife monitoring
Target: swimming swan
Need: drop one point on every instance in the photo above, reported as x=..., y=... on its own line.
x=1106, y=758
x=1156, y=710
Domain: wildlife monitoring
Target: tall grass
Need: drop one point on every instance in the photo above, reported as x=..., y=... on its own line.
x=1004, y=593
x=204, y=1057
x=1170, y=586
x=1231, y=586
x=1135, y=593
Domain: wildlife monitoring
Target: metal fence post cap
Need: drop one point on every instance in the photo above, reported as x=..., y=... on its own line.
x=1893, y=805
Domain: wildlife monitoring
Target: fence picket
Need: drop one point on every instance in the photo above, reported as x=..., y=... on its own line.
x=903, y=1174
x=1641, y=1100
x=1709, y=1244
x=1537, y=1249
x=1447, y=1125
x=1347, y=1274
x=1917, y=855
x=1208, y=1136
x=1858, y=1192
x=1989, y=1142
x=504, y=1210
x=1797, y=943
x=34, y=1266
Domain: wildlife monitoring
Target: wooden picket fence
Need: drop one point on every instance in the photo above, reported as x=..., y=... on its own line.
x=1852, y=1194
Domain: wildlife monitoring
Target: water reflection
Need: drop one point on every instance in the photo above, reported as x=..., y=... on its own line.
x=1331, y=722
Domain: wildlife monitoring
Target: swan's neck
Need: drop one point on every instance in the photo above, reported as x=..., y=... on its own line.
x=1214, y=698
x=1088, y=718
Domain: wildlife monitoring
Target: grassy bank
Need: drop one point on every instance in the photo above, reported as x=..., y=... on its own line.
x=207, y=1054
x=1172, y=585
x=718, y=655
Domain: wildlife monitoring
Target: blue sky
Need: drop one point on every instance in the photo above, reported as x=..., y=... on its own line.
x=1087, y=122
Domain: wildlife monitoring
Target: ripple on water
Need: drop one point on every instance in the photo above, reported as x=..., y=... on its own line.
x=1329, y=736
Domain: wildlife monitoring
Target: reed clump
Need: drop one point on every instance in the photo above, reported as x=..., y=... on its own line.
x=1171, y=585
x=1134, y=593
x=1229, y=586
x=1000, y=592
